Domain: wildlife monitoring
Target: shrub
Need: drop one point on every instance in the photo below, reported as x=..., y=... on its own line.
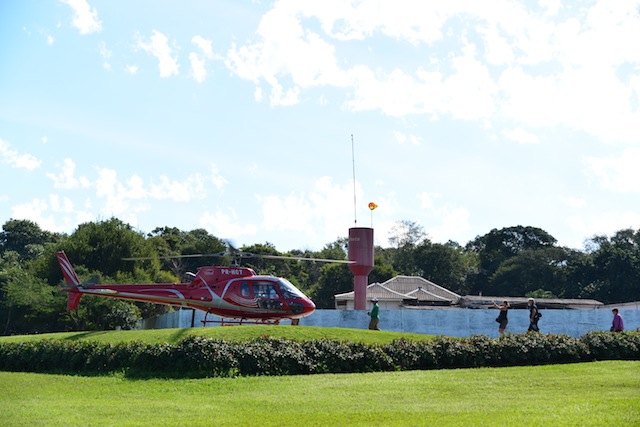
x=409, y=355
x=608, y=345
x=205, y=357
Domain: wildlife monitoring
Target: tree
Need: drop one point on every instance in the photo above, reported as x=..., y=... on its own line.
x=98, y=313
x=305, y=274
x=382, y=271
x=334, y=279
x=497, y=246
x=27, y=303
x=406, y=233
x=25, y=238
x=445, y=264
x=403, y=238
x=545, y=269
x=611, y=272
x=103, y=246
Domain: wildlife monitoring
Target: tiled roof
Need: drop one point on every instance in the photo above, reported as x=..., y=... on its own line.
x=483, y=301
x=424, y=295
x=405, y=287
x=411, y=284
x=375, y=290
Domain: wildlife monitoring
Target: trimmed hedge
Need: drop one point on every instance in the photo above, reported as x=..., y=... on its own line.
x=197, y=356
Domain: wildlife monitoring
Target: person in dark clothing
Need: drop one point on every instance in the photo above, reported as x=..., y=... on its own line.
x=534, y=316
x=502, y=317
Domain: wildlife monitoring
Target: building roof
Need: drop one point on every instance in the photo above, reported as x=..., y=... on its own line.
x=423, y=295
x=375, y=290
x=474, y=301
x=422, y=288
x=401, y=288
x=417, y=292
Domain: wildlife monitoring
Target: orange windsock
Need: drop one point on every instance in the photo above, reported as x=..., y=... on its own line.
x=372, y=205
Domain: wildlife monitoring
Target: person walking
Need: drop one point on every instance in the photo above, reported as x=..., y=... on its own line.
x=502, y=317
x=534, y=316
x=375, y=315
x=617, y=325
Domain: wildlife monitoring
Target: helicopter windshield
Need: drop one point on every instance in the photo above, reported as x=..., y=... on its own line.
x=288, y=290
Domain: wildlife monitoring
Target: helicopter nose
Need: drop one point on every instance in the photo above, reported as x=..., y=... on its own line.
x=303, y=307
x=310, y=306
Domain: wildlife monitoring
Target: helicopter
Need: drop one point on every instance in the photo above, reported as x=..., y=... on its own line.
x=231, y=292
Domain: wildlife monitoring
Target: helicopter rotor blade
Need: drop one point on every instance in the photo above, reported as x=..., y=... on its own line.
x=293, y=258
x=144, y=258
x=234, y=253
x=244, y=255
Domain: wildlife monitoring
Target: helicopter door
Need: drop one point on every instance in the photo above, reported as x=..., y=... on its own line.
x=245, y=291
x=267, y=295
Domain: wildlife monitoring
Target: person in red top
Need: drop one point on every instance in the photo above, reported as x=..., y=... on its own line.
x=616, y=325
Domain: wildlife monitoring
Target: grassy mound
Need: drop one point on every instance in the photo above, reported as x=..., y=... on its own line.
x=230, y=333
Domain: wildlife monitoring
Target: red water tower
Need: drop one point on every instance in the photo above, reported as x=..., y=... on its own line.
x=361, y=252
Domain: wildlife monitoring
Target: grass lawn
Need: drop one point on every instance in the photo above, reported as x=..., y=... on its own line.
x=587, y=394
x=232, y=333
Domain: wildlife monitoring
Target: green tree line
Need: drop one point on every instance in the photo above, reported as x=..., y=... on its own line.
x=512, y=261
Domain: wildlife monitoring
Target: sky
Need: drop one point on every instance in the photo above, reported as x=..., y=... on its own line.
x=279, y=122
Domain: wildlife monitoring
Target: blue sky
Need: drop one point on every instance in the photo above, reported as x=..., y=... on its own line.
x=238, y=117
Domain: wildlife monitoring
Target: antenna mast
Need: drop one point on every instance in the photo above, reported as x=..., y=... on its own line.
x=353, y=158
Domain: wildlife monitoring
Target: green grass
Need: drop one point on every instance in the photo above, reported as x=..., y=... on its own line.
x=587, y=394
x=232, y=333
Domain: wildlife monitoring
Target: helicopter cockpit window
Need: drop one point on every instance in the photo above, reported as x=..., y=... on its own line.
x=265, y=290
x=245, y=291
x=288, y=290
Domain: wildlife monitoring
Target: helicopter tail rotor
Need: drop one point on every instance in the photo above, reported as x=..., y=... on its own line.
x=71, y=278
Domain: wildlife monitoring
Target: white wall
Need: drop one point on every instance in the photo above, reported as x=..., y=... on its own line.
x=450, y=322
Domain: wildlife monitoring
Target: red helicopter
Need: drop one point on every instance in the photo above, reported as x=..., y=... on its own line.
x=227, y=292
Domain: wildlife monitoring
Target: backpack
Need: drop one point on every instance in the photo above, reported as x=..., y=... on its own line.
x=538, y=315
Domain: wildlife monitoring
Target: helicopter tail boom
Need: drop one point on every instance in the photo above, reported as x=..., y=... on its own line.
x=71, y=278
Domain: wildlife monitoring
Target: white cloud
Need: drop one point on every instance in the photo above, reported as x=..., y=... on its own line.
x=134, y=195
x=286, y=51
x=198, y=64
x=105, y=54
x=452, y=223
x=620, y=174
x=520, y=136
x=123, y=201
x=198, y=70
x=403, y=138
x=66, y=179
x=539, y=66
x=132, y=69
x=85, y=19
x=218, y=180
x=54, y=213
x=158, y=46
x=225, y=225
x=204, y=45
x=194, y=187
x=324, y=211
x=14, y=159
x=574, y=202
x=605, y=223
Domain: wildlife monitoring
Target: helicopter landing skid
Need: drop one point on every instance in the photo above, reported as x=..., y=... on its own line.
x=234, y=322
